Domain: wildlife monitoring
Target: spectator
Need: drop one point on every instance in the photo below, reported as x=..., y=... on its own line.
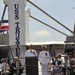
x=5, y=67
x=16, y=67
x=56, y=62
x=59, y=58
x=56, y=66
x=72, y=64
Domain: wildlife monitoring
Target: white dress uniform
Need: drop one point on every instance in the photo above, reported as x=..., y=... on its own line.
x=30, y=53
x=44, y=58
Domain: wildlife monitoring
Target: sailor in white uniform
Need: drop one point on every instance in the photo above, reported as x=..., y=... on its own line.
x=30, y=52
x=44, y=58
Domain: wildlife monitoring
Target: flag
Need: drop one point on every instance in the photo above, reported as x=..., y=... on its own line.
x=4, y=27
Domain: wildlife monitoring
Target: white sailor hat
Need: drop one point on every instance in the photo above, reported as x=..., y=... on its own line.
x=3, y=59
x=16, y=57
x=43, y=46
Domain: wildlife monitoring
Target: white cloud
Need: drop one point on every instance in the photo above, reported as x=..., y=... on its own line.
x=42, y=33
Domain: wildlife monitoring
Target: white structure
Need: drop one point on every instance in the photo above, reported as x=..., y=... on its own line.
x=27, y=14
x=46, y=43
x=16, y=16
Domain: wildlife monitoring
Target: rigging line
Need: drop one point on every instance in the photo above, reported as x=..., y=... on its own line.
x=50, y=16
x=48, y=25
x=3, y=14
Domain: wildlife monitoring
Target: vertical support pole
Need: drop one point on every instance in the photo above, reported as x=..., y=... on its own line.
x=27, y=15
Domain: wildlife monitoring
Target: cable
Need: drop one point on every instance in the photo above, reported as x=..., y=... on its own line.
x=50, y=16
x=48, y=25
x=3, y=14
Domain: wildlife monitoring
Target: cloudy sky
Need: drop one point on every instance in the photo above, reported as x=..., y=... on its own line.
x=62, y=10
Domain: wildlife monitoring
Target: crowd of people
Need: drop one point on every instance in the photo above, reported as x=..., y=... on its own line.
x=45, y=60
x=55, y=63
x=14, y=68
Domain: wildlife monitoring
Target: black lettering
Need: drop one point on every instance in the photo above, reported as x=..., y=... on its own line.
x=17, y=23
x=16, y=6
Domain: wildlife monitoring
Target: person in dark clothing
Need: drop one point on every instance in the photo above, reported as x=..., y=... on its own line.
x=72, y=64
x=56, y=62
x=56, y=66
x=16, y=67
